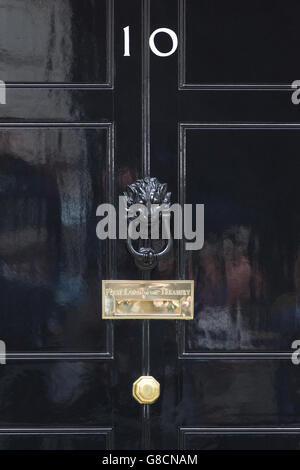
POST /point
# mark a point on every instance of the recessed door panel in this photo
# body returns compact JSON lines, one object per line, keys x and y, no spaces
{"x":57,"y":42}
{"x":52,"y":179}
{"x":239,"y":42}
{"x":247,"y":272}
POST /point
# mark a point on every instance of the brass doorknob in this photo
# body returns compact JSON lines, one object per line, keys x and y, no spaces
{"x":146,"y":389}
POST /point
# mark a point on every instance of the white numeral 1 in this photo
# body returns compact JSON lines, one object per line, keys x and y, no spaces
{"x":126,"y":41}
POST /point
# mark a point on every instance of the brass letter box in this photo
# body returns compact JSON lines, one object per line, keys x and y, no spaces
{"x":172,"y":300}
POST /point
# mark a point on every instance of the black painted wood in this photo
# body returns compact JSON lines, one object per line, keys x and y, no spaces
{"x":216,"y":122}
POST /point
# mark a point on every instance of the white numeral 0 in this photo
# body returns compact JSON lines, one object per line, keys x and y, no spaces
{"x":152,"y":45}
{"x":172,"y":35}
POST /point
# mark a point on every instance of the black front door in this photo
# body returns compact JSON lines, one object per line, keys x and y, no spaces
{"x":89,"y":109}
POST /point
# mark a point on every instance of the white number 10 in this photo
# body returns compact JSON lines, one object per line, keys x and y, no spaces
{"x":152,"y":45}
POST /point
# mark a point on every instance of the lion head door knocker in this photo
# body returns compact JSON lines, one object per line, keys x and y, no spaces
{"x":148,"y":203}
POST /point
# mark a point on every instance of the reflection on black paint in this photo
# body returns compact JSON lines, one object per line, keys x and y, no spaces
{"x":247,"y":274}
{"x":56,"y":41}
{"x":48,"y":246}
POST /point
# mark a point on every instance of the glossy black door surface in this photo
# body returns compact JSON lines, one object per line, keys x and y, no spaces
{"x":216,"y":122}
